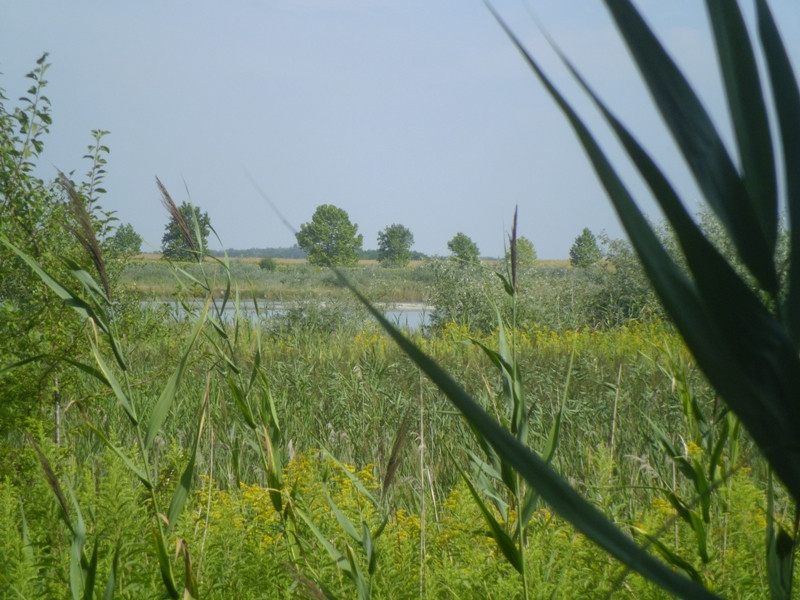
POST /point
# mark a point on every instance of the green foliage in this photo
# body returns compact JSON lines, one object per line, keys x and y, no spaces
{"x":394,"y":246}
{"x":267,"y":263}
{"x":584,"y":251}
{"x":526,"y":253}
{"x":464,"y":250}
{"x":125,"y":240}
{"x":61,"y":226}
{"x":330,"y":239}
{"x":186,"y":234}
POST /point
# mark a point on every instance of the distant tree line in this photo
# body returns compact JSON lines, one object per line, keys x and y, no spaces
{"x":331,"y":239}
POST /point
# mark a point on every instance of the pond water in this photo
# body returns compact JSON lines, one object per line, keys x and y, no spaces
{"x":406,"y":315}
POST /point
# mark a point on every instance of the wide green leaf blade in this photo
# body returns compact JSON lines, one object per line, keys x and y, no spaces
{"x":748,"y":112}
{"x":501,"y":538}
{"x":181,"y":493}
{"x":700,"y":144}
{"x":141,"y":475}
{"x":786,"y":98}
{"x":164,"y":563}
{"x":84,"y":310}
{"x":733,"y":337}
{"x":111,"y":381}
{"x":167,"y":396}
{"x":553,"y":489}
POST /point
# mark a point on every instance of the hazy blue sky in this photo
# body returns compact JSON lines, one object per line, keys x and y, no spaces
{"x":417,"y":112}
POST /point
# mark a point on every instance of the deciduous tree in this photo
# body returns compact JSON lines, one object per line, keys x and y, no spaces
{"x":125,"y":240}
{"x":464,"y":249}
{"x":394,"y":246}
{"x":186,"y":233}
{"x":330,"y":239}
{"x":526,"y":253}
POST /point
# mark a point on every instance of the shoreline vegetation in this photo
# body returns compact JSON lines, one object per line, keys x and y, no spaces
{"x":294,"y":279}
{"x":625,"y":428}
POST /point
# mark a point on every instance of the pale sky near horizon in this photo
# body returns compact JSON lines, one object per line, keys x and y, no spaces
{"x":417,"y":112}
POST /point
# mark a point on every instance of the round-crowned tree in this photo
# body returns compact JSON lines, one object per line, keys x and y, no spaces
{"x":330,"y":239}
{"x":125,"y":240}
{"x":464,"y":249}
{"x":394,"y":246}
{"x":526,"y":253}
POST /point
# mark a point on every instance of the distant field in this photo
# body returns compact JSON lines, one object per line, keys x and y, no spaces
{"x":150,"y":256}
{"x":292,"y":279}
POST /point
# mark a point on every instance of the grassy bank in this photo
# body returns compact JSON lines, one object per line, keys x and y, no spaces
{"x":290,"y":280}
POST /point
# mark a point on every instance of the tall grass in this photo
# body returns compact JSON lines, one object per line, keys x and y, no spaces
{"x":214,"y":457}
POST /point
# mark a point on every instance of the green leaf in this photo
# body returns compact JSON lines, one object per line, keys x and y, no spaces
{"x":184,"y":486}
{"x":702,"y":148}
{"x":786,"y":99}
{"x":344,"y":522}
{"x":742,"y":350}
{"x":109,"y":378}
{"x":142,"y":476}
{"x":84,"y":310}
{"x":780,"y":552}
{"x":674,"y":559}
{"x":91,"y":575}
{"x":164,"y":563}
{"x":553,"y":489}
{"x":748,"y":112}
{"x":111,"y":582}
{"x":555,"y":431}
{"x":167,"y":396}
{"x":78,"y":575}
{"x":337,"y":557}
{"x":501,"y":538}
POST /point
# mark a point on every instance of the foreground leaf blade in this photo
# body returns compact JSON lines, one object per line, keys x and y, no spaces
{"x":164,"y":403}
{"x":699,"y":142}
{"x":553,"y":489}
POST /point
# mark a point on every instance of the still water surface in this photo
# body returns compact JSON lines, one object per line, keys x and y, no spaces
{"x":407,"y":315}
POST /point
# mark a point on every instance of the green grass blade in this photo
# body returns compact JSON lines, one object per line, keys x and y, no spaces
{"x":124,"y":457}
{"x":740,"y":347}
{"x":551,"y":445}
{"x":553,"y":489}
{"x":167,"y":396}
{"x":700,"y":144}
{"x":673,"y":559}
{"x":357,"y":483}
{"x":77,"y":573}
{"x":743,"y":92}
{"x":344,"y":522}
{"x":111,"y":582}
{"x":780,"y":552}
{"x":184,"y":486}
{"x":337,"y":557}
{"x":111,"y":381}
{"x":786,"y":98}
{"x":87,"y":280}
{"x":164,"y":563}
{"x":501,"y":538}
{"x":91,"y":575}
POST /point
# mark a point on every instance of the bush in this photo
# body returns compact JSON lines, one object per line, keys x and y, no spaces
{"x":268,"y":263}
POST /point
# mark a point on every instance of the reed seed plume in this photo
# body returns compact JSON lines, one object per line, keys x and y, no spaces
{"x":84,"y":232}
{"x":513,"y":250}
{"x":173,"y":211}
